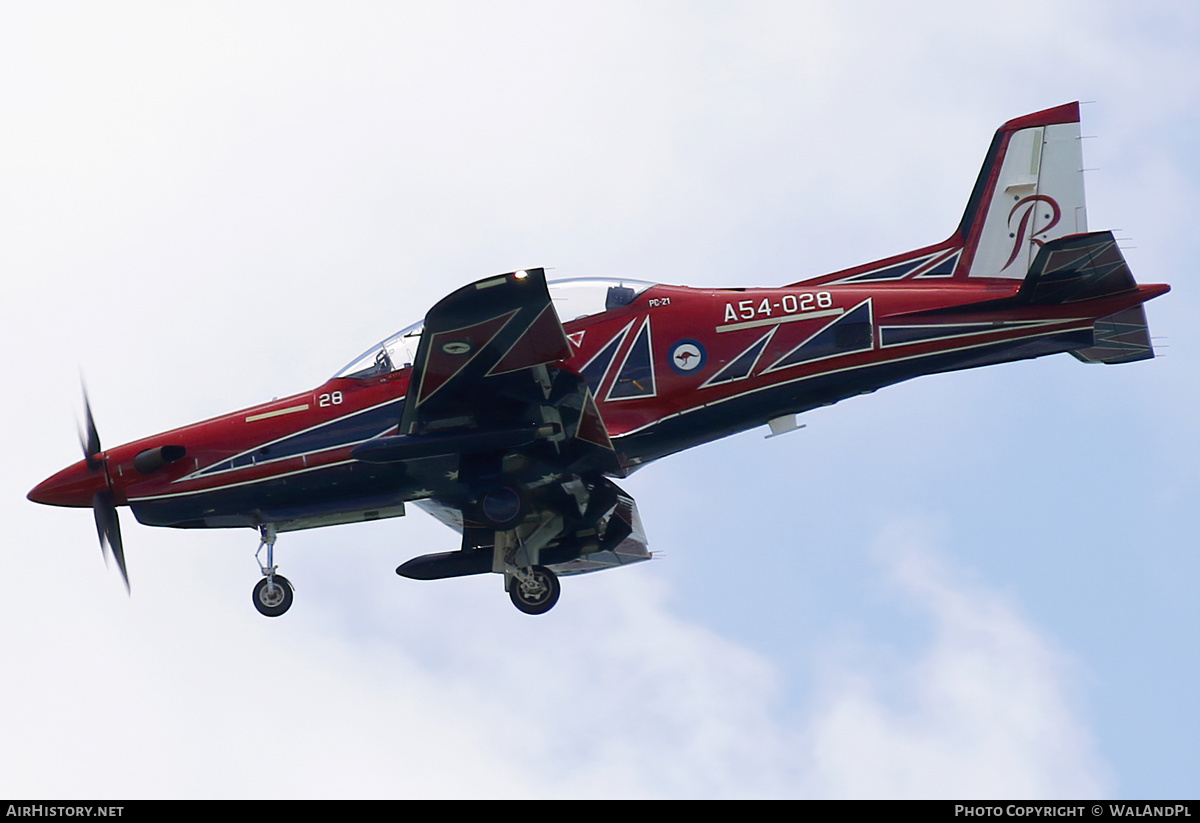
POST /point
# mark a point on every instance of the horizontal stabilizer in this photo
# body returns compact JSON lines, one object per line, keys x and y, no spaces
{"x":1123,"y":337}
{"x":1079,"y":267}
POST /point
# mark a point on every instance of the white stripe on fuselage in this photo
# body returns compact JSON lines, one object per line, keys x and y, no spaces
{"x":772,"y":321}
{"x":198,"y":492}
{"x":277,"y":413}
{"x":889,"y":360}
{"x":206,"y":471}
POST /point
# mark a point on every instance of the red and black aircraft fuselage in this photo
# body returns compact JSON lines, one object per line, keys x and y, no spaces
{"x":510,"y":409}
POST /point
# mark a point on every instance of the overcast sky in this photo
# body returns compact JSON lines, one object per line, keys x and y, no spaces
{"x":975,"y":584}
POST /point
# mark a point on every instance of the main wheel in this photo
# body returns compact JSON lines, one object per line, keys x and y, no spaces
{"x":273,"y":597}
{"x":538,"y":597}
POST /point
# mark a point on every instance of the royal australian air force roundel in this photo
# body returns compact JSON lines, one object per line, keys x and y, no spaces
{"x":456,"y":347}
{"x":687,"y":356}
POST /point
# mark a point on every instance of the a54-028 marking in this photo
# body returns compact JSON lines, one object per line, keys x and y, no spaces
{"x":749,"y":314}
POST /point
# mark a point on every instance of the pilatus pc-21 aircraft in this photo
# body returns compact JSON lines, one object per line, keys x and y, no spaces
{"x":510,"y":410}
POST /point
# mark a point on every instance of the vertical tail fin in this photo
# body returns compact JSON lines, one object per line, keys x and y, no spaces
{"x":1029,"y":191}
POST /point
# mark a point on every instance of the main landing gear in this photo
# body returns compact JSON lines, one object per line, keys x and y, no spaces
{"x":272,"y":594}
{"x":533,"y":588}
{"x":534,"y":591}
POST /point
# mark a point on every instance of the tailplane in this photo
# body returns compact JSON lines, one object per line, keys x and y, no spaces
{"x":1080,"y":267}
{"x":1123,"y":337}
{"x":1090,"y":267}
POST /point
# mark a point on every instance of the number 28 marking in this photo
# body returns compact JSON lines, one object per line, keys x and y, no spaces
{"x":329,"y":399}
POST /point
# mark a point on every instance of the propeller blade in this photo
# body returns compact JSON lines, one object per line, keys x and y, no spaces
{"x":104,"y":507}
{"x":90,"y":441}
{"x":108,"y":528}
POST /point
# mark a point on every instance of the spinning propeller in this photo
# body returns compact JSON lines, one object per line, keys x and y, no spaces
{"x":104,"y":508}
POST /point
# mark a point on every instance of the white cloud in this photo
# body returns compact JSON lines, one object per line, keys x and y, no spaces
{"x":451,"y":693}
{"x":988,"y":709}
{"x":179,"y":692}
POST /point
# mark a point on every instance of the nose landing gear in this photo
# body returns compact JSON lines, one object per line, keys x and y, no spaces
{"x":273,"y":594}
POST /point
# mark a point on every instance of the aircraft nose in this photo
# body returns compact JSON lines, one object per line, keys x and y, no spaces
{"x":73,"y":486}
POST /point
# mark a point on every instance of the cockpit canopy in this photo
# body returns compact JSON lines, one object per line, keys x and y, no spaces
{"x":573,"y":299}
{"x":396,"y":352}
{"x":585,"y":296}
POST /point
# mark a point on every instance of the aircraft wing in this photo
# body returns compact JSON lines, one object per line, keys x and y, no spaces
{"x":619,"y":548}
{"x":479,"y":344}
{"x":487,"y":380}
{"x":518,"y":432}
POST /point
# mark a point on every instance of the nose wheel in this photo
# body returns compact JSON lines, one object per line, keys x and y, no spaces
{"x":273,"y":594}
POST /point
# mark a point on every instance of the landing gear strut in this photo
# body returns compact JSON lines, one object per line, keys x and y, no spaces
{"x":273,"y":594}
{"x":533,"y":588}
